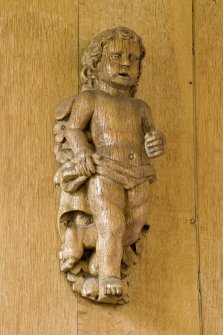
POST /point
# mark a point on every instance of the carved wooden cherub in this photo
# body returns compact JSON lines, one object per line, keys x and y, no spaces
{"x":105,"y":139}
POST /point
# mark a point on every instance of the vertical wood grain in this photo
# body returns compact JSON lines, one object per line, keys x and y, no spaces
{"x":209,"y":121}
{"x":163,"y":287}
{"x":38,"y":66}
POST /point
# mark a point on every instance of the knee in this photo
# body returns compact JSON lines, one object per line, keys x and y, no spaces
{"x":110,"y":232}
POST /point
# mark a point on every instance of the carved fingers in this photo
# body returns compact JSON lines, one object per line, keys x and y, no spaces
{"x":154,"y":144}
{"x":90,"y":165}
{"x":69,"y":174}
{"x":86,"y":166}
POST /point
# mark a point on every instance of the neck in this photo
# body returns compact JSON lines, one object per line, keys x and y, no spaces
{"x":113,"y":90}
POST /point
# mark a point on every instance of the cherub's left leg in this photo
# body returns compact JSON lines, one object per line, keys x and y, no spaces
{"x":137,"y":210}
{"x":107,"y":201}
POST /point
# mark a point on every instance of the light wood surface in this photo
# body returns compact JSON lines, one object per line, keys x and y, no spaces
{"x":209,"y":122}
{"x":39,"y":55}
{"x":38,"y":48}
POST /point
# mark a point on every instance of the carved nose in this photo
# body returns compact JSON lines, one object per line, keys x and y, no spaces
{"x":125,"y":62}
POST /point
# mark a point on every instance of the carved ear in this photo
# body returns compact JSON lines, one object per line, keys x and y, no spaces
{"x":64,"y":109}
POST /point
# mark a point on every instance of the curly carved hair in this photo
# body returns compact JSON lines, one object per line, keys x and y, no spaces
{"x":93,"y":54}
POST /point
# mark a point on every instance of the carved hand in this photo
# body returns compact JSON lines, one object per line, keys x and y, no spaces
{"x":85,"y":166}
{"x":154,"y":144}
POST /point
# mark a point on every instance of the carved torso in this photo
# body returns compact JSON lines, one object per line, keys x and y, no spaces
{"x":110,"y":138}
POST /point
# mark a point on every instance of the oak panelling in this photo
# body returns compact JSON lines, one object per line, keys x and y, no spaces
{"x":209,"y":121}
{"x":38,"y":66}
{"x":163,"y":286}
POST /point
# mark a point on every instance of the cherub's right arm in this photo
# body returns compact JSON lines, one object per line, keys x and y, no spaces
{"x":81,"y":114}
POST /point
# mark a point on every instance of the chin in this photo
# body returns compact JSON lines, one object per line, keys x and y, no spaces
{"x":122,"y":84}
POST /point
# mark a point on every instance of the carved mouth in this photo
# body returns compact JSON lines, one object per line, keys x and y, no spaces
{"x":123,"y":74}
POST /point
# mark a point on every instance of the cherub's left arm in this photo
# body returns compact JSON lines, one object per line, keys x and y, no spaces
{"x":154,"y":139}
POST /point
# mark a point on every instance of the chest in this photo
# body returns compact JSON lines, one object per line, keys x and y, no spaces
{"x":117,"y":114}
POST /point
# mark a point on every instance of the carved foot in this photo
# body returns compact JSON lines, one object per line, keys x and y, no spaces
{"x":67,"y":264}
{"x":90,"y":289}
{"x":111,"y":292}
{"x":112,"y":286}
{"x":68,"y":257}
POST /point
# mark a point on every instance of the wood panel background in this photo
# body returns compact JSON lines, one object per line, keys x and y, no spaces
{"x":176,"y":289}
{"x":209,"y":132}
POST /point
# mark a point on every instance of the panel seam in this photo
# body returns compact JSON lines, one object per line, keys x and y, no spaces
{"x":196,"y":189}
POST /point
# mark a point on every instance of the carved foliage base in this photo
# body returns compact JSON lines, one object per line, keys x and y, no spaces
{"x":82,"y":274}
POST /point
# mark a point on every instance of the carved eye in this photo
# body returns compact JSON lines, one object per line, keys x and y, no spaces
{"x":115,"y":57}
{"x":133,"y":58}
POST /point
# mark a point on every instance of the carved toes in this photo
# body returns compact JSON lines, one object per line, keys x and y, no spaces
{"x":90,"y":289}
{"x":67,"y":264}
{"x":113,"y":286}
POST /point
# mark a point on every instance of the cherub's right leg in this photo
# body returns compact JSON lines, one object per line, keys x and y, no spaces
{"x":107,"y":201}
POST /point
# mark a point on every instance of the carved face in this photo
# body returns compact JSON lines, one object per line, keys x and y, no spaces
{"x":119,"y":65}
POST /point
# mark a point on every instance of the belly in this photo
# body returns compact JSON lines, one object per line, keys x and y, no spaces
{"x":129,"y":154}
{"x":117,"y":133}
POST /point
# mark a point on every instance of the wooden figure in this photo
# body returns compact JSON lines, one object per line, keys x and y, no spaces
{"x":105,"y":139}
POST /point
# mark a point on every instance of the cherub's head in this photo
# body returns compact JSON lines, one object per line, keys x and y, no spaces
{"x":114,"y":57}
